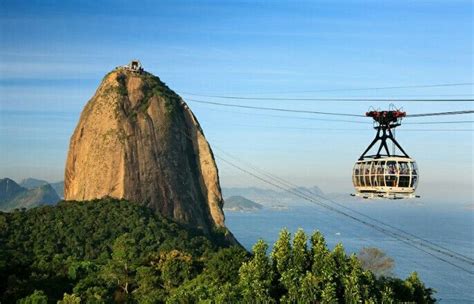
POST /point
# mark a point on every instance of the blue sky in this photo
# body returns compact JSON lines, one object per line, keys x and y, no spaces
{"x":54,"y":54}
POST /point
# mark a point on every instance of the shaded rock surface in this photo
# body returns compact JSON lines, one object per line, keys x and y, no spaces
{"x":138,"y":140}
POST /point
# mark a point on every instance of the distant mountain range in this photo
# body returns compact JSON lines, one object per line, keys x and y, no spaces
{"x":29,"y":193}
{"x":240,"y":203}
{"x":32,"y":192}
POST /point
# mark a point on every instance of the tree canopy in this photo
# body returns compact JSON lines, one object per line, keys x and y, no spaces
{"x":115,"y":251}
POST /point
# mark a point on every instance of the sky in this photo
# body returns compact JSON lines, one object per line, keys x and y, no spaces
{"x":53,"y":55}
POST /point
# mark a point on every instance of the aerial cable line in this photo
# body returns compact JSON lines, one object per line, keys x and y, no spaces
{"x":334,"y":99}
{"x":273,"y":109}
{"x":342,"y":129}
{"x":431,"y":245}
{"x":380,"y":229}
{"x":319,"y":112}
{"x":292,"y":117}
{"x":441,"y":113}
{"x":439,"y":122}
{"x":340,"y":120}
{"x":362,"y":89}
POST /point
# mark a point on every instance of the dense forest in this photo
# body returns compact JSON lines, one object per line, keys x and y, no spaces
{"x":110,"y":250}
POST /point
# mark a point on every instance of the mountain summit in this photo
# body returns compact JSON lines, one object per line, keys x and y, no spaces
{"x":138,"y":140}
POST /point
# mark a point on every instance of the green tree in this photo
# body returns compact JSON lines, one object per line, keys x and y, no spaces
{"x":255,"y":276}
{"x":323,"y":266}
{"x":175,"y":267}
{"x":387,"y":295}
{"x":309,"y":288}
{"x":292,"y":279}
{"x":148,"y":288}
{"x":281,"y":253}
{"x":319,"y":252}
{"x":328,"y":295}
{"x":340,"y":268}
{"x":37,"y":297}
{"x":352,"y":281}
{"x":224,"y":266}
{"x":299,"y":257}
{"x":70,"y":299}
{"x":419,"y":293}
{"x":120,"y":270}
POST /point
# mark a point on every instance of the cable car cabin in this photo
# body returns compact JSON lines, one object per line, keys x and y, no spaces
{"x":387,"y":177}
{"x":385,"y":174}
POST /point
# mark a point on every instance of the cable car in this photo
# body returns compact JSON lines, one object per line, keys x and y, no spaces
{"x":385,"y":174}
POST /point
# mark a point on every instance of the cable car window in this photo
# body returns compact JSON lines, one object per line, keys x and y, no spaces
{"x":404,"y":174}
{"x":380,"y":166}
{"x":373,"y":170}
{"x":404,"y":169}
{"x":355,"y":175}
{"x":391,"y":168}
{"x":367,"y":174}
{"x":379,"y":177}
{"x":361,"y":175}
{"x":414,"y":181}
{"x":391,"y":178}
{"x":357,"y":169}
{"x":415,"y":169}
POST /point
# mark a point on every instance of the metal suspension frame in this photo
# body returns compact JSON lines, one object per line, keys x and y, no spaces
{"x":385,"y":121}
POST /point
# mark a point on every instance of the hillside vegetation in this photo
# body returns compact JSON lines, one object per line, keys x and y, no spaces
{"x":115,"y":251}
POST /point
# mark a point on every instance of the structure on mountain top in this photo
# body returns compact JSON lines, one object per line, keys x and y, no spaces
{"x":134,"y":66}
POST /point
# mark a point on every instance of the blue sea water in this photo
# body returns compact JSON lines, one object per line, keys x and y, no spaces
{"x":449,"y":226}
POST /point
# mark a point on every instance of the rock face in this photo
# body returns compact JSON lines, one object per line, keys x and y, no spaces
{"x":138,"y":140}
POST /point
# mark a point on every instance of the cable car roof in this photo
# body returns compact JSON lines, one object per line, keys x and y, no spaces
{"x":387,"y":158}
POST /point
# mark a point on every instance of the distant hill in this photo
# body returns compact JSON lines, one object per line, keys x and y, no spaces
{"x":269,"y":197}
{"x":9,"y":189}
{"x":240,"y":203}
{"x":31,"y":183}
{"x":59,"y":188}
{"x":14,"y":196}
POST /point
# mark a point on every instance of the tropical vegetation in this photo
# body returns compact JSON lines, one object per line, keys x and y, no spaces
{"x":108,"y":250}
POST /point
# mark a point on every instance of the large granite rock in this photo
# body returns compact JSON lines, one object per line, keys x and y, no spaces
{"x":137,"y":139}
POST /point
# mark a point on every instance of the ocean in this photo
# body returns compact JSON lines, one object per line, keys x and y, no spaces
{"x":451,"y":226}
